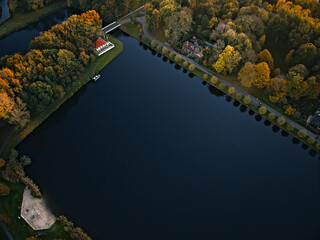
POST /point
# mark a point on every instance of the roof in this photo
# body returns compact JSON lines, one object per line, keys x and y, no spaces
{"x":99,"y":42}
{"x":191,"y":47}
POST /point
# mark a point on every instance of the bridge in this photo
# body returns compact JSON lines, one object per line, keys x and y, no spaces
{"x":119,"y":22}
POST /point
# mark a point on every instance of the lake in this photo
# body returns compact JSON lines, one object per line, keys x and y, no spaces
{"x":151,"y":152}
{"x":5,"y":12}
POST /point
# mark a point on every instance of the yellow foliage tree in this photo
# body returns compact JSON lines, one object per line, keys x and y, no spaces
{"x":255,"y":75}
{"x":228,"y":60}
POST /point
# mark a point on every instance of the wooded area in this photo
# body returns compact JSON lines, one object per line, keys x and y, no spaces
{"x":233,"y":35}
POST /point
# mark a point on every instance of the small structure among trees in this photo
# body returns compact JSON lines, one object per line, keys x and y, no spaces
{"x":102,"y":46}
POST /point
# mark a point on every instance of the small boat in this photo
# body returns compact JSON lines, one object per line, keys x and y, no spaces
{"x":96,"y":77}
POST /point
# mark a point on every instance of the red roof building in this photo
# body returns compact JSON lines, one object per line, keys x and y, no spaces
{"x":99,"y":42}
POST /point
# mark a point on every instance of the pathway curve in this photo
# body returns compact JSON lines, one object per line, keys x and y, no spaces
{"x":254,"y":100}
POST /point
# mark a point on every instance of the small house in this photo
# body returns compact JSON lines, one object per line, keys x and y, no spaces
{"x":102,"y":46}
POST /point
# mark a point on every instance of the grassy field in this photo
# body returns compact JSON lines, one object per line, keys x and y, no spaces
{"x":132,"y":29}
{"x":19,"y":20}
{"x":91,"y":70}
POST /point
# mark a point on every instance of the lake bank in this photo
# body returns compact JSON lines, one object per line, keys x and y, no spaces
{"x":166,"y":145}
{"x":19,"y":20}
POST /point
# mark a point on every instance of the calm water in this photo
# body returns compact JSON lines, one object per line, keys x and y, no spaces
{"x":19,"y":41}
{"x":148,"y":152}
{"x":5,"y":12}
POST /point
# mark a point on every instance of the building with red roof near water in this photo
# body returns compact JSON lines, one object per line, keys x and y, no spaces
{"x":102,"y":46}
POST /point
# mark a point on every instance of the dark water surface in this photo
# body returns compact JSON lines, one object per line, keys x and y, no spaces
{"x":5,"y":12}
{"x":19,"y":41}
{"x":148,"y":152}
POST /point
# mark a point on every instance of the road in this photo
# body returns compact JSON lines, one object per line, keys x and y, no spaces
{"x":254,"y":100}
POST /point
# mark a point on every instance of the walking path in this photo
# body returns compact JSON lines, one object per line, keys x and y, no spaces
{"x":254,"y":100}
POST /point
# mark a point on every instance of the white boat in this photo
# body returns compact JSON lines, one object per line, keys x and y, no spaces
{"x":96,"y":77}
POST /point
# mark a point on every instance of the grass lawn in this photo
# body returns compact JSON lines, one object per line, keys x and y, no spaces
{"x":90,"y":71}
{"x":20,"y":20}
{"x":132,"y":29}
{"x":19,"y":229}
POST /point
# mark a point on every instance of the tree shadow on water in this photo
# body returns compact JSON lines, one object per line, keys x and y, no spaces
{"x":171,"y":62}
{"x":267,"y":123}
{"x":177,"y":66}
{"x":191,"y":75}
{"x":275,"y":129}
{"x":215,"y":91}
{"x":204,"y":83}
{"x":185,"y":70}
{"x":243,"y":108}
{"x":251,"y":112}
{"x":228,"y":99}
{"x":159,"y":55}
{"x":164,"y":59}
{"x":258,"y":118}
{"x":236,"y":103}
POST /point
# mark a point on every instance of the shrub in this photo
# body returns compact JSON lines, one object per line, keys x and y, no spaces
{"x":159,"y":48}
{"x":302,"y":133}
{"x":290,"y":127}
{"x":318,"y":145}
{"x":214,"y":79}
{"x":281,"y":121}
{"x":185,"y":64}
{"x":231,"y":90}
{"x":239,"y":96}
{"x":311,"y":140}
{"x":262,"y":110}
{"x":153,"y":44}
{"x":247,"y":100}
{"x":222,"y":86}
{"x":165,"y":50}
{"x":271,"y":116}
{"x":4,"y":190}
{"x":192,"y":68}
{"x":145,"y":39}
{"x":2,"y":162}
{"x":14,"y":170}
{"x":177,"y":58}
{"x":35,"y":191}
{"x":205,"y":76}
{"x":171,"y":55}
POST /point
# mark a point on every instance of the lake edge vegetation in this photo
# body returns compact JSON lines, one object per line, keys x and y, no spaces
{"x":134,"y":29}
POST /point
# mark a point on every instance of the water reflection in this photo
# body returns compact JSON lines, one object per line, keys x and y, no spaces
{"x":215,"y":91}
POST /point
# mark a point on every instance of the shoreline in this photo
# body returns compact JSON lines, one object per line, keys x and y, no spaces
{"x":18,"y":20}
{"x":252,"y":106}
{"x":90,"y":71}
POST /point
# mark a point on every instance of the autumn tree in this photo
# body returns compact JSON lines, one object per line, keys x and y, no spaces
{"x":255,"y":75}
{"x":228,"y":60}
{"x":265,"y":56}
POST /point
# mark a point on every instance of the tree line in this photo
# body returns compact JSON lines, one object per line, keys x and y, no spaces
{"x":30,"y":83}
{"x":238,"y":31}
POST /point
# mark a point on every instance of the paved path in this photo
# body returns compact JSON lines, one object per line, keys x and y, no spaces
{"x":119,"y":22}
{"x":254,"y":100}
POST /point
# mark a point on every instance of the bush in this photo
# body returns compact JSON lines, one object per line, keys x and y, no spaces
{"x":177,"y":58}
{"x":205,"y":76}
{"x":222,"y":86}
{"x":153,"y":44}
{"x":159,"y":48}
{"x":262,"y":110}
{"x":2,"y":162}
{"x":231,"y":90}
{"x":35,"y":191}
{"x":290,"y":127}
{"x":14,"y":170}
{"x":271,"y":116}
{"x":247,"y":100}
{"x":281,"y":121}
{"x":192,"y":68}
{"x":318,"y":145}
{"x":214,"y":79}
{"x":302,"y":133}
{"x":185,"y":64}
{"x":4,"y":190}
{"x":145,"y":39}
{"x":311,"y":140}
{"x":239,"y":96}
{"x":171,"y":55}
{"x":165,"y":50}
